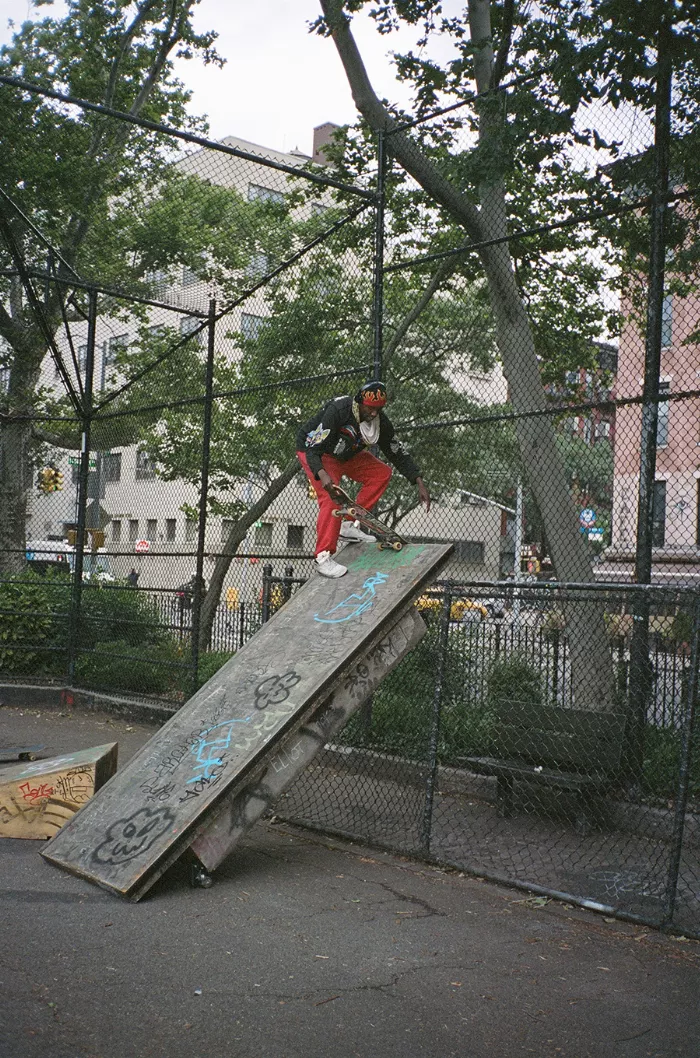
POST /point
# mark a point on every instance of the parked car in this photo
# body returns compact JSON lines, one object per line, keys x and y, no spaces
{"x":59,"y":555}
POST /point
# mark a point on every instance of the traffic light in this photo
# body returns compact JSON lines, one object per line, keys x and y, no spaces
{"x":44,"y":480}
{"x":49,"y":479}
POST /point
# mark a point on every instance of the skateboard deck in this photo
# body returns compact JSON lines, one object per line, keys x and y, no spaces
{"x":13,"y":753}
{"x":386,"y":537}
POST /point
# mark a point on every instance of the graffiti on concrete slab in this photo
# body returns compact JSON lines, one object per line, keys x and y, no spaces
{"x":128,"y":838}
{"x":275,"y":689}
{"x":356,"y":604}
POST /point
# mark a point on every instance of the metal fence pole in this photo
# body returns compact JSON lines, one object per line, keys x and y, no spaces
{"x":204,"y":490}
{"x":83,"y":471}
{"x":378,"y":302}
{"x":266,"y":591}
{"x":684,"y":769}
{"x":443,"y":635}
{"x":640,"y":665}
{"x":287,"y":583}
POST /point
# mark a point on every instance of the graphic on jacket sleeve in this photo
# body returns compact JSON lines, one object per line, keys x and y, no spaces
{"x":317,"y":436}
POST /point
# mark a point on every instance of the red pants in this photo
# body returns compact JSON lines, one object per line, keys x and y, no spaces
{"x":363,"y":467}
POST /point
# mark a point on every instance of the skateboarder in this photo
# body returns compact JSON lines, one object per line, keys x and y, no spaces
{"x":335,"y":442}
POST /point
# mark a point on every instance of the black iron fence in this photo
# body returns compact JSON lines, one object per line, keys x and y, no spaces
{"x":477,"y":753}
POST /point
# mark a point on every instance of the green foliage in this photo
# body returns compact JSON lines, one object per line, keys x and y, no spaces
{"x":124,"y":666}
{"x":402,"y":713}
{"x":514,"y":679}
{"x":662,"y":749}
{"x":34,"y":624}
{"x":115,"y":612}
{"x":35,"y":613}
{"x":210,"y":663}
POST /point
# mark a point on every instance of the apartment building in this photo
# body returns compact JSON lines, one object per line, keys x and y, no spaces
{"x":676,"y":502}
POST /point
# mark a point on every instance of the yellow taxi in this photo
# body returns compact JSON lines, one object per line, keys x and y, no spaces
{"x":460,"y":609}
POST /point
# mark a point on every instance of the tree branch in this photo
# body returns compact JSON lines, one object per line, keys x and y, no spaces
{"x":379,"y":118}
{"x":233,"y":542}
{"x":499,"y":65}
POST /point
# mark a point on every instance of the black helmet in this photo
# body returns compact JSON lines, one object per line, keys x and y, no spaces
{"x":373,"y":394}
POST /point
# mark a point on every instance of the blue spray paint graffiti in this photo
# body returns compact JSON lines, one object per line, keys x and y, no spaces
{"x":354,"y":604}
{"x":207,"y":752}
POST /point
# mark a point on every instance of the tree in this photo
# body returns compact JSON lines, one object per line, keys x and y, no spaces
{"x":477,"y":198}
{"x":77,"y":175}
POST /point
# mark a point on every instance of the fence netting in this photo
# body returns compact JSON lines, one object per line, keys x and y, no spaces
{"x":151,"y":388}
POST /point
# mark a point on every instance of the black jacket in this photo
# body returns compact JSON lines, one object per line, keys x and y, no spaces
{"x":336,"y":430}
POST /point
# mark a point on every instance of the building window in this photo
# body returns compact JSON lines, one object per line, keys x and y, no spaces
{"x":663,"y":415}
{"x":133,"y":530}
{"x":145,"y":467}
{"x":190,"y":530}
{"x":116,"y":532}
{"x":295,"y":536}
{"x":82,"y":358}
{"x":667,"y":321}
{"x":170,"y":529}
{"x":471,"y":551}
{"x":159,"y":279}
{"x":114,"y":346}
{"x":188,"y":324}
{"x":111,"y":466}
{"x":251,"y":325}
{"x":151,"y":528}
{"x":258,"y":193}
{"x":602,"y":430}
{"x":226,"y":527}
{"x":658,"y":515}
{"x":259,"y":265}
{"x":263,"y":534}
{"x":5,"y":379}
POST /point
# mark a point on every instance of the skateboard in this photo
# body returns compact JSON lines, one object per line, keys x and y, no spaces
{"x":386,"y":537}
{"x":11,"y":753}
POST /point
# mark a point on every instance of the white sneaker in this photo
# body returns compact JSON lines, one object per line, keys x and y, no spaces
{"x":328,"y":567}
{"x":350,"y":531}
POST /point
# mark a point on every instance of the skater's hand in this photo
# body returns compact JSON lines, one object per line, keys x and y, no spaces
{"x":423,"y":493}
{"x":329,"y":485}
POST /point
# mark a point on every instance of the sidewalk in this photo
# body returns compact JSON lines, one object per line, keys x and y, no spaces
{"x":307,"y":947}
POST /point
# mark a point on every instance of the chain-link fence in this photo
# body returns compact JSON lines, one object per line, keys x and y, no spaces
{"x":168,"y":330}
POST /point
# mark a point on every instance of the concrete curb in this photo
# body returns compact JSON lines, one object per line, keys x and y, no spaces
{"x":65,"y":697}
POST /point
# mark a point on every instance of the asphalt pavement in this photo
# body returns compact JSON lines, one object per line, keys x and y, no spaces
{"x":307,"y":947}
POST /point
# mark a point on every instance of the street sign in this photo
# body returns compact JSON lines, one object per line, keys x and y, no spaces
{"x":587,"y":516}
{"x":141,"y":546}
{"x":74,"y":461}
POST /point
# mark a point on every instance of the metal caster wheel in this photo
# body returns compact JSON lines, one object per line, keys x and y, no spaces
{"x":200,"y":877}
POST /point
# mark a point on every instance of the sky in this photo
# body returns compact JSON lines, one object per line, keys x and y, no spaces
{"x":280,"y":81}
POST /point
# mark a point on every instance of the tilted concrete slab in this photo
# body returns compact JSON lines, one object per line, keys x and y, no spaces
{"x":213,"y":747}
{"x":38,"y":798}
{"x":240,"y":811}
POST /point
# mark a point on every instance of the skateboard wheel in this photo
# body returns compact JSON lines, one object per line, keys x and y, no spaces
{"x":397,"y":545}
{"x":26,"y":756}
{"x":337,"y":513}
{"x":351,"y":512}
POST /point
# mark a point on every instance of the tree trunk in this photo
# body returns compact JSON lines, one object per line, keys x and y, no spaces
{"x":15,"y":483}
{"x":592,"y":672}
{"x":235,"y":538}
